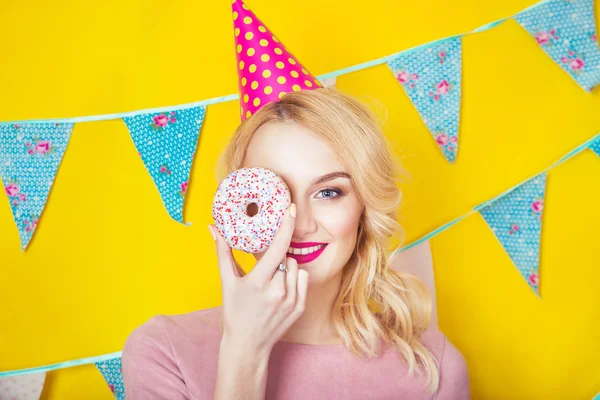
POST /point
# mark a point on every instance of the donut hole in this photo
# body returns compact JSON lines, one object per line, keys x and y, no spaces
{"x":252,"y":209}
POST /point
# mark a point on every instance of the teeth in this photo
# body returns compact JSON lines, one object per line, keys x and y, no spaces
{"x":306,"y":250}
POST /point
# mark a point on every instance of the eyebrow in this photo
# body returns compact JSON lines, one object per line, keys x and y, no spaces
{"x":330,"y":177}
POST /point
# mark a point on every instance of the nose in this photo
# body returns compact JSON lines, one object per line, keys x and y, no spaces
{"x":305,"y":222}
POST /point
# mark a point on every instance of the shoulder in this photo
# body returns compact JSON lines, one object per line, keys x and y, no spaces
{"x":454,"y":374}
{"x":435,"y":341}
{"x":444,"y":350}
{"x":167,"y":351}
{"x":161,"y":330}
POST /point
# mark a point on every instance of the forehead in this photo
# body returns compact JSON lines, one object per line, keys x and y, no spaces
{"x":292,"y":151}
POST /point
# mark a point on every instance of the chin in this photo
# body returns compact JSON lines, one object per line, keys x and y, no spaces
{"x":323,"y":271}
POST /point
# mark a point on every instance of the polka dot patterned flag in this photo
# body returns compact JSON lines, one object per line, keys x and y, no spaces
{"x":166,"y":142}
{"x":431,"y":77}
{"x":595,"y":146}
{"x":266,"y":68}
{"x":30,"y":155}
{"x":112,"y":372}
{"x":22,"y":387}
{"x":516,"y":220}
{"x":566,"y":30}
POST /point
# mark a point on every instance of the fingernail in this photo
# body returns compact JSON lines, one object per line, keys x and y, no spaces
{"x":293,"y":210}
{"x":212,"y":233}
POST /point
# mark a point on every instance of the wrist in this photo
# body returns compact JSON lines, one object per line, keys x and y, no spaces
{"x":244,"y":350}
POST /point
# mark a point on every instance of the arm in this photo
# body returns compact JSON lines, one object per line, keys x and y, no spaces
{"x":241,"y":374}
{"x":258,"y":309}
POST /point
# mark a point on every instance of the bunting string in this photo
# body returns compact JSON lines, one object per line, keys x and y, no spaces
{"x":589,"y":144}
{"x":235,"y":96}
{"x":166,"y":139}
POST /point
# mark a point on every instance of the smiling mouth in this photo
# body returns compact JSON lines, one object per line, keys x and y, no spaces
{"x":306,"y":250}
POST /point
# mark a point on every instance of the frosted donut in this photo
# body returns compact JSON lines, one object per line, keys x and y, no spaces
{"x":241,"y":189}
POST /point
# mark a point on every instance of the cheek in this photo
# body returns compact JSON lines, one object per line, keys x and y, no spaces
{"x":341,"y":222}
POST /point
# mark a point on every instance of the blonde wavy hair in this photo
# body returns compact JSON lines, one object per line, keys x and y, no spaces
{"x":375,"y":302}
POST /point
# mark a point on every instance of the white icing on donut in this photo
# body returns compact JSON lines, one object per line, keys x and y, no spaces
{"x":241,"y":188}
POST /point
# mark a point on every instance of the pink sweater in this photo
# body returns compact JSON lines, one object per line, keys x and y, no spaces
{"x":175,"y":358}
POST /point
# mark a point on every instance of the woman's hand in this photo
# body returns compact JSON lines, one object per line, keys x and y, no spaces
{"x":259,"y":307}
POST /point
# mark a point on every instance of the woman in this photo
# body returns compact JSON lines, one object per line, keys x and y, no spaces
{"x":341,"y":326}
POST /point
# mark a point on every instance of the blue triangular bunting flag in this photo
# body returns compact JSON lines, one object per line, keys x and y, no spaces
{"x":516,"y":220}
{"x":431,"y":77}
{"x":30,"y":154}
{"x":112,"y":372}
{"x":595,"y":146}
{"x":566,"y":30}
{"x":166,"y":142}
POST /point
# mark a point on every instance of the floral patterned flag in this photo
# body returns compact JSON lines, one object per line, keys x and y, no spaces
{"x":112,"y":372}
{"x":566,"y":30}
{"x":22,"y":387}
{"x":595,"y":146}
{"x":516,"y":220}
{"x":30,"y":155}
{"x":166,"y":142}
{"x":431,"y":77}
{"x":329,"y":83}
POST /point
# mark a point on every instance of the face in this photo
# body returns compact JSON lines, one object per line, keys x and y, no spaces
{"x":328,"y":208}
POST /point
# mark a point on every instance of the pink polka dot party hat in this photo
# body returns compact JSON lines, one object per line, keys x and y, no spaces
{"x":266,"y":69}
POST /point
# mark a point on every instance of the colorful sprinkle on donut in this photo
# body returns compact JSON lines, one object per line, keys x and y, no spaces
{"x":241,"y":188}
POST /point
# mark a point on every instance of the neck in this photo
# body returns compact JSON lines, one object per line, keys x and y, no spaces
{"x":315,"y":325}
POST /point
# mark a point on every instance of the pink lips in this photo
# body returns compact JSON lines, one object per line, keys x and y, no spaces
{"x":306,"y":258}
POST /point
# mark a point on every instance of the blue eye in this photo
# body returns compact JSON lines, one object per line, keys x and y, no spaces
{"x":330,"y":193}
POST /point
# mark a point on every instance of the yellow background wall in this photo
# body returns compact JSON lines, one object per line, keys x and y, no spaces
{"x":106,"y":256}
